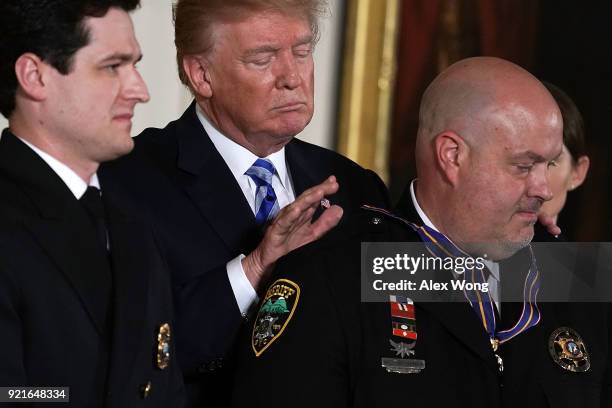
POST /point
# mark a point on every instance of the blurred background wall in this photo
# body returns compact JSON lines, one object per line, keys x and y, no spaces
{"x":562,"y":41}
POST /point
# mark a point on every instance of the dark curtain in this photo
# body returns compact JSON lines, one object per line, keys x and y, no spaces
{"x":564,"y":42}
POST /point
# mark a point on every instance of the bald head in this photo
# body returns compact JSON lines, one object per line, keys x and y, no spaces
{"x":487,"y":132}
{"x":475,"y":96}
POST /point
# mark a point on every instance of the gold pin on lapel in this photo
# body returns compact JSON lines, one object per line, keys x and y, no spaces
{"x":145,"y":390}
{"x":163,"y":346}
{"x":568,"y":350}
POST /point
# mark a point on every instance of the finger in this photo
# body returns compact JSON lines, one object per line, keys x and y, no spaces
{"x":315,"y":194}
{"x":328,"y":220}
{"x":304,"y":219}
{"x":554,"y":230}
{"x":286,"y":218}
{"x":550,"y":224}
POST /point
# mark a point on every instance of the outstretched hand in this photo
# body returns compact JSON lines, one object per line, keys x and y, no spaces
{"x":292,"y":228}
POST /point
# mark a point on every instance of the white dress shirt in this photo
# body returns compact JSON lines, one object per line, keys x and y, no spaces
{"x":72,"y":180}
{"x":239,"y":160}
{"x":493,"y":279}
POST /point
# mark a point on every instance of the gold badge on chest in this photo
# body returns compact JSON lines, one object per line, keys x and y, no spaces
{"x":568,"y":350}
{"x":163,"y":346}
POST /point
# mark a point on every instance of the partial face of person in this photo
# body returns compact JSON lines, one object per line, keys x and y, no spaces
{"x":91,"y":108}
{"x":564,"y":176}
{"x":505,"y":181}
{"x":261,"y":78}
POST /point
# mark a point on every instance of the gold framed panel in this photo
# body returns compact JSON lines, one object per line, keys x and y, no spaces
{"x":368,"y":75}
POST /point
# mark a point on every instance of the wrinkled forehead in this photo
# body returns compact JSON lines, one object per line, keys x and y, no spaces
{"x":241,"y":14}
{"x":264,"y":31}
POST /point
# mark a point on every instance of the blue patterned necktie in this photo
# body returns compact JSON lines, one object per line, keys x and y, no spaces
{"x":266,"y":204}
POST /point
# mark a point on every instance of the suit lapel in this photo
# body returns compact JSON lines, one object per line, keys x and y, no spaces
{"x":71,"y":244}
{"x":209,"y":183}
{"x":303,"y":174}
{"x":60,"y":225}
{"x":130,"y":256}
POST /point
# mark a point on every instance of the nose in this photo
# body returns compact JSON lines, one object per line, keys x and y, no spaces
{"x":288,"y":74}
{"x":134,"y":87}
{"x":538,"y":183}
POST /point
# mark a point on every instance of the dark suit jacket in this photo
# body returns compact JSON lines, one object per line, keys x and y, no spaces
{"x":67,"y":317}
{"x":329,"y":354}
{"x":205,"y":221}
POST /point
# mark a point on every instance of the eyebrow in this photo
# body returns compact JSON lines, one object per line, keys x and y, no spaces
{"x":529,"y":155}
{"x":122,"y":57}
{"x":534,"y":156}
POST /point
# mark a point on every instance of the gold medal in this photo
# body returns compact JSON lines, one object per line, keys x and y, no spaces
{"x":568,"y":350}
{"x":163,"y":346}
{"x":500,"y":361}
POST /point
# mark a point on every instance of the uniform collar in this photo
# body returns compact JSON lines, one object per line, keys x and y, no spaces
{"x":74,"y":183}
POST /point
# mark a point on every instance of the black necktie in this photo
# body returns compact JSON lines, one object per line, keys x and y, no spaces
{"x":92,"y":201}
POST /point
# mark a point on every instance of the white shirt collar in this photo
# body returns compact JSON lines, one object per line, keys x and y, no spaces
{"x":420,"y":211}
{"x":72,"y":180}
{"x":238,"y":158}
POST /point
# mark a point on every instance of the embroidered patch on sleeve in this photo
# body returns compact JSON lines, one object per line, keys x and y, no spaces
{"x":274,"y":314}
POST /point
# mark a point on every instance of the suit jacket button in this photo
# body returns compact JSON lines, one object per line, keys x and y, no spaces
{"x":212,"y":366}
{"x":145,"y":389}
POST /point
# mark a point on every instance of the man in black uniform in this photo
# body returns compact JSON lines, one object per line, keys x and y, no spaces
{"x":229,"y":186}
{"x":85,"y":298}
{"x":488,"y":131}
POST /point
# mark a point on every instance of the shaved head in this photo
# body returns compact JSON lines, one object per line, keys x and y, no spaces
{"x":475,"y":95}
{"x":487,"y":130}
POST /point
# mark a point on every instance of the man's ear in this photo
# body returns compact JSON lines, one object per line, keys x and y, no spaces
{"x":579,"y":172}
{"x":197,"y":70}
{"x":450,"y":153}
{"x":31,"y":76}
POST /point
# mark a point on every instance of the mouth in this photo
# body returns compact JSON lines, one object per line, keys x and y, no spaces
{"x":529,"y":216}
{"x":290,"y":107}
{"x":124,"y":118}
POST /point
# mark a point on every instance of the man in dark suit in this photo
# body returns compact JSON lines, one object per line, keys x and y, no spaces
{"x":249,"y":66}
{"x":85,"y":299}
{"x":323,"y":337}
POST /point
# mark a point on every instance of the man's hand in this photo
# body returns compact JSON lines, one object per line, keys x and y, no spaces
{"x":550,"y":224}
{"x":291,"y":229}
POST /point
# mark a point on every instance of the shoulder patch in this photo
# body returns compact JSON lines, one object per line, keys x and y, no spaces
{"x":274,"y":314}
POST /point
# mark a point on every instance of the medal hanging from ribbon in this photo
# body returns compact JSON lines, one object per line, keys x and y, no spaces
{"x":440,"y":246}
{"x":484,"y":309}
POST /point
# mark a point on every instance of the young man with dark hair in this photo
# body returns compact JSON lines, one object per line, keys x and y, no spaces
{"x":85,"y":298}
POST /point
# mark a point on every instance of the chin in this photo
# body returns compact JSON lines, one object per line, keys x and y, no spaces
{"x":291,"y":126}
{"x":120,"y":149}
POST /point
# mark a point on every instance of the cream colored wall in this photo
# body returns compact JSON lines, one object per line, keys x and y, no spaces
{"x":154,"y":30}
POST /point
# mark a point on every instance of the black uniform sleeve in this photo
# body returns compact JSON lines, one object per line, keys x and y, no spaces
{"x":208,"y":316}
{"x":12,"y":369}
{"x":307,"y":363}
